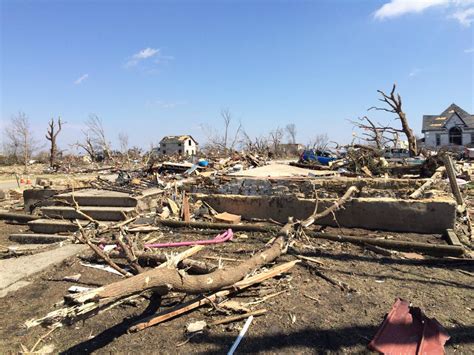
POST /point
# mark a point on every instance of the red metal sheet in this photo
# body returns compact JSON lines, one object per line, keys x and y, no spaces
{"x":406,"y":330}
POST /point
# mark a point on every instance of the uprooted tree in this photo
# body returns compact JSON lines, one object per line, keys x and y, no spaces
{"x":54,"y":127}
{"x":394,"y":102}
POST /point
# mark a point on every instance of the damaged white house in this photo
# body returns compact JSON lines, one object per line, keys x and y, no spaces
{"x":182,"y":145}
{"x":453,"y":127}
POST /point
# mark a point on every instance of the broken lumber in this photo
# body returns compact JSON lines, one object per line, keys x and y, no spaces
{"x":448,"y":163}
{"x":434,"y":178}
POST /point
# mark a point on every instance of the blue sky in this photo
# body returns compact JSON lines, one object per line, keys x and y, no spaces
{"x":154,"y":68}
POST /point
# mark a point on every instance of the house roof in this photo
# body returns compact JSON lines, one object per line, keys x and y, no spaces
{"x":177,"y":139}
{"x":437,"y":122}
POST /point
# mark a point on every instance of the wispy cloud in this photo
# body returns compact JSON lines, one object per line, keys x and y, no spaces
{"x":463,"y":11}
{"x":414,"y":72}
{"x":464,"y":16}
{"x":396,"y":8}
{"x":166,"y":104}
{"x":142,"y":55}
{"x":81,"y":79}
{"x":469,"y":50}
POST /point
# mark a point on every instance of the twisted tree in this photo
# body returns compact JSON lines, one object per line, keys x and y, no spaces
{"x":394,"y":102}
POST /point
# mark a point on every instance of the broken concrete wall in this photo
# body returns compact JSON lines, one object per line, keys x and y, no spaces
{"x":416,"y":216}
{"x":302,"y":187}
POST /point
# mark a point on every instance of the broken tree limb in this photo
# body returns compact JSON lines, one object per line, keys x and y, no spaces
{"x":173,"y":279}
{"x":433,"y":179}
{"x":85,"y":239}
{"x":448,"y":163}
{"x":431,"y":249}
{"x":144,"y":258}
{"x":334,"y":207}
{"x":127,"y":250}
{"x":203,"y":300}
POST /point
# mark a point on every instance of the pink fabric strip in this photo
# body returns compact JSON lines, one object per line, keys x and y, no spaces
{"x":221,"y":238}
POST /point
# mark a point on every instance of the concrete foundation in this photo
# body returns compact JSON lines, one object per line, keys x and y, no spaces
{"x":389,"y":214}
{"x":98,"y":213}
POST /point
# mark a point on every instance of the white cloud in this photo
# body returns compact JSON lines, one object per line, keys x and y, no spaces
{"x":396,"y":8}
{"x":463,"y":11}
{"x":81,"y":79}
{"x":464,"y":16}
{"x":414,"y":72}
{"x":469,"y":50}
{"x":142,"y":55}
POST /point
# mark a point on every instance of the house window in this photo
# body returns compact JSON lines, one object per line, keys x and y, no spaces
{"x":179,"y":151}
{"x":164,"y":151}
{"x":472,"y":138}
{"x":163,"y":145}
{"x":189,"y":142}
{"x":455,"y":136}
{"x":438,"y":139}
{"x":179,"y":144}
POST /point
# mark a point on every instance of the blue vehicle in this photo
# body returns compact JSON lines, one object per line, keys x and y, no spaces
{"x":313,"y":156}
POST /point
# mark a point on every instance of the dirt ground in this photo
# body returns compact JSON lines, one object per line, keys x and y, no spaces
{"x":310,"y":316}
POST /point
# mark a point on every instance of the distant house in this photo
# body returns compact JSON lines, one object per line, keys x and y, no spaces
{"x":453,"y":127}
{"x":182,"y":145}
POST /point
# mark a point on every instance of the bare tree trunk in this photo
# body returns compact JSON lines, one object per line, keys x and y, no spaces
{"x":394,"y":101}
{"x":51,"y":135}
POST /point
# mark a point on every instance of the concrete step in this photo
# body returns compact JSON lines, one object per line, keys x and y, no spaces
{"x":52,"y":226}
{"x":94,"y":197}
{"x":33,"y":238}
{"x":96,"y":212}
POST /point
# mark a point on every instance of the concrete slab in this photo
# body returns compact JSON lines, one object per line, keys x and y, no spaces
{"x":13,"y":271}
{"x":96,"y":212}
{"x":34,"y":238}
{"x":417,"y":216}
{"x":95,"y":197}
{"x":52,"y":226}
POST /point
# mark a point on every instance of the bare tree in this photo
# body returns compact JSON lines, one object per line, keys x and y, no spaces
{"x":52,"y":134}
{"x":19,"y":137}
{"x":319,"y":142}
{"x":123,"y":141}
{"x":275,"y":137}
{"x":394,"y":102}
{"x":258,"y":145}
{"x":291,"y":132}
{"x":376,"y":134}
{"x":227,"y":140}
{"x":95,"y":140}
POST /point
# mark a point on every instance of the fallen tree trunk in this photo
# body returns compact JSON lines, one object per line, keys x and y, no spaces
{"x":203,"y":300}
{"x":431,"y":249}
{"x":167,"y":280}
